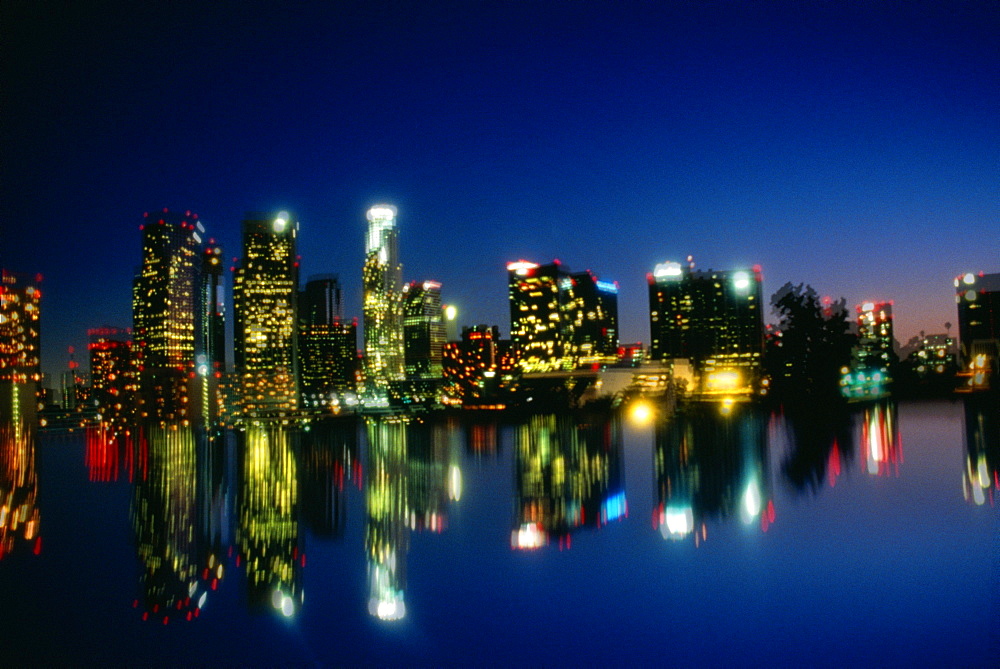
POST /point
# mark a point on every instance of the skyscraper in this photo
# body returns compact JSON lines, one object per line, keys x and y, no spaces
{"x":593,"y":313}
{"x":978,"y":298}
{"x":561,"y":320}
{"x":382,"y":281}
{"x":478,"y":368}
{"x":423,"y":330}
{"x":328,"y":346}
{"x":265,"y":296}
{"x":112,"y":375}
{"x":713,"y":319}
{"x":538,"y":299}
{"x":20,"y":345}
{"x":164,"y":309}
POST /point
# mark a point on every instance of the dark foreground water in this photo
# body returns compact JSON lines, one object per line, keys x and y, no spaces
{"x":709,"y":538}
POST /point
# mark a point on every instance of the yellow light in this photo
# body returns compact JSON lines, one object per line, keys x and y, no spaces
{"x":640,"y":413}
{"x":723,"y":380}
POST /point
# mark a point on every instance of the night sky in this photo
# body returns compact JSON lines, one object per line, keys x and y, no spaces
{"x":852,"y":146}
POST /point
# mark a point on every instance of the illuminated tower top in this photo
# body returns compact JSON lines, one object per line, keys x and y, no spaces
{"x":383,"y":242}
{"x":382,"y":283}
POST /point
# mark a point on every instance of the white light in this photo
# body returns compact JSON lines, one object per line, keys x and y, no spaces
{"x":970,"y":295}
{"x":450,"y":312}
{"x":751,"y":502}
{"x":969,"y":279}
{"x":667,"y":269}
{"x":868,"y":306}
{"x":279,"y":224}
{"x":382,"y":212}
{"x":196,"y":236}
{"x":520,"y":267}
{"x":741,"y":280}
{"x":428,"y":285}
{"x":679,"y":522}
{"x":456,"y":483}
{"x":287,"y":606}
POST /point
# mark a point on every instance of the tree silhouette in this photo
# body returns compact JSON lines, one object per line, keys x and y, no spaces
{"x":812,"y":345}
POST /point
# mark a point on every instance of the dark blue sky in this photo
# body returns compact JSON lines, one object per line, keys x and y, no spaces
{"x":850,"y":146}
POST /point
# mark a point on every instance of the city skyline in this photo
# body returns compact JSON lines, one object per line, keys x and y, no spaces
{"x":850,"y":148}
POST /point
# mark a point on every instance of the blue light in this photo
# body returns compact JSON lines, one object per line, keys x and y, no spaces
{"x":607,"y":287}
{"x":613,"y":507}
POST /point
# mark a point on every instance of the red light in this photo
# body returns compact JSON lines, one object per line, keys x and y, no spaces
{"x":145,"y":615}
{"x":165,"y":210}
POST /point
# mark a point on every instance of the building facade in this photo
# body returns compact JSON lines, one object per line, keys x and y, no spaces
{"x":164,"y":311}
{"x":478,"y":369}
{"x":383,"y":327}
{"x":112,"y":375}
{"x":265,"y":297}
{"x":560,"y":320}
{"x":712,"y":319}
{"x":978,"y":300}
{"x":423,"y":330}
{"x":20,"y":346}
{"x":328,"y":346}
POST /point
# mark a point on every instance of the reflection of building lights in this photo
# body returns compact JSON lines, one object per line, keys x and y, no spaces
{"x":529,"y":535}
{"x":455,"y":483}
{"x":751,"y":502}
{"x":723,"y":380}
{"x":641,"y":413}
{"x":678,"y":522}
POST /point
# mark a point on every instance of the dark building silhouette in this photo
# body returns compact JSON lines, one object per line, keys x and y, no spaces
{"x":328,"y":346}
{"x":978,"y":297}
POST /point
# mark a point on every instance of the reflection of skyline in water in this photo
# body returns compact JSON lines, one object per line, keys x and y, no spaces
{"x":413,"y":475}
{"x":268,"y":506}
{"x":568,"y":475}
{"x":981,"y":474}
{"x":329,"y":462}
{"x":20,"y":516}
{"x":713,"y":465}
{"x":821,"y":444}
{"x":163,"y":518}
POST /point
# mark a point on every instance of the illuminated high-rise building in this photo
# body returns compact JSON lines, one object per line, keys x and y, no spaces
{"x":875,"y":338}
{"x":593,"y":315}
{"x":423,"y":330}
{"x":328,"y":346}
{"x":164,"y":311}
{"x":978,"y":299}
{"x":20,"y":345}
{"x":561,"y":320}
{"x":538,"y":297}
{"x":383,"y":331}
{"x":265,"y":296}
{"x":478,"y":368}
{"x":713,"y":319}
{"x":112,"y":375}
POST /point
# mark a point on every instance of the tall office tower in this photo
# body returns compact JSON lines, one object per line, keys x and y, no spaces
{"x":210,"y":324}
{"x":112,"y":375}
{"x":423,"y":330}
{"x":479,"y":367}
{"x":711,"y":318}
{"x":164,"y":309}
{"x":265,"y":295}
{"x":593,"y":312}
{"x":328,"y":347}
{"x":382,"y":281}
{"x":978,"y":298}
{"x":20,"y":346}
{"x":875,"y":340}
{"x":539,"y":295}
